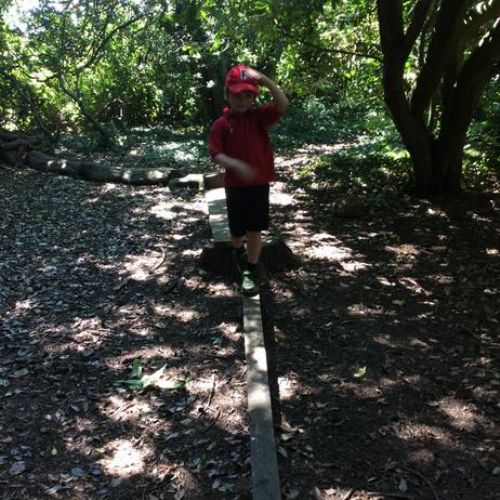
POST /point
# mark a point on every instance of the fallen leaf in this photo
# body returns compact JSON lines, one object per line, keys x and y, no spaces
{"x":403,"y":485}
{"x":20,"y":373}
{"x":17,"y":468}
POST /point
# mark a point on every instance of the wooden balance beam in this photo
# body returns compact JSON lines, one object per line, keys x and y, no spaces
{"x":263,"y":457}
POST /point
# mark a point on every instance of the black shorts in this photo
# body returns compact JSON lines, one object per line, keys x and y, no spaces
{"x":247,"y":209}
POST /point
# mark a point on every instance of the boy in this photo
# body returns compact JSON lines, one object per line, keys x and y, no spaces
{"x":239,"y":142}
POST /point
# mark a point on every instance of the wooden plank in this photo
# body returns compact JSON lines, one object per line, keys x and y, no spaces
{"x":194,"y":181}
{"x":265,"y":478}
{"x":216,"y":199}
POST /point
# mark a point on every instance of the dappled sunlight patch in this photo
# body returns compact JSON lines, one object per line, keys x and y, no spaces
{"x":22,"y":306}
{"x":405,"y":251}
{"x":109,"y":187}
{"x":354,"y":266}
{"x":436,"y":212}
{"x":131,"y":310}
{"x":279,"y":197}
{"x":460,"y":414}
{"x":194,"y":254}
{"x":181,"y":314}
{"x":413,"y":286}
{"x":186,"y":315}
{"x":124,"y":458}
{"x":120,"y":409}
{"x":385,"y":340}
{"x":140,"y":267}
{"x":163,"y":210}
{"x":414,"y":431}
{"x":327,"y":252}
{"x":364,"y":310}
{"x":290,"y":387}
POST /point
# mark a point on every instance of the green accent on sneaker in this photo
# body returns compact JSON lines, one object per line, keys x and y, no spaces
{"x":250,"y":283}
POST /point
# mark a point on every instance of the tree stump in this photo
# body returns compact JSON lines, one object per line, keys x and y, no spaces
{"x":213,"y":181}
{"x":275,"y":256}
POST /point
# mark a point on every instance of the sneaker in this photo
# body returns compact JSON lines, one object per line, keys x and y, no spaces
{"x":250,"y":283}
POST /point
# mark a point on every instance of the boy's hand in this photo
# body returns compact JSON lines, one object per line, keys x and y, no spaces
{"x":255,"y":75}
{"x":244,"y":170}
{"x":279,"y":98}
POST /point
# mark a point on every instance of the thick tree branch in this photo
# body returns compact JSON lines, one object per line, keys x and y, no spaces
{"x":287,"y":34}
{"x":475,"y":74}
{"x":412,"y":131}
{"x":419,"y":15}
{"x":441,"y":48}
{"x":390,"y":16}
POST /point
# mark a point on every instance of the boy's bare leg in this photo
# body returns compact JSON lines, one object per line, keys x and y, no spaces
{"x":254,"y":246}
{"x":236,"y":242}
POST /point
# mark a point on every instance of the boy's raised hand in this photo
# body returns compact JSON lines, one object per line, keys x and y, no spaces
{"x":279,"y":98}
{"x":255,"y":75}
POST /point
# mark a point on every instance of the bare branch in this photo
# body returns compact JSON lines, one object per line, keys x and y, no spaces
{"x":419,"y":15}
{"x":107,"y":38}
{"x":287,"y":34}
{"x":474,"y":76}
{"x":441,"y":48}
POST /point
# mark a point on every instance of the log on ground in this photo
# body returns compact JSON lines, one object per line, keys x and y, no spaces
{"x":99,"y":173}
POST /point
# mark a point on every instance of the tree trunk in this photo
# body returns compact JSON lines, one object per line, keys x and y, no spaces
{"x":437,"y":156}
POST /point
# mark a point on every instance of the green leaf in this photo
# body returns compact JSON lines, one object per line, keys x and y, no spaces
{"x":155,"y":379}
{"x":136,"y":368}
{"x":361,"y":372}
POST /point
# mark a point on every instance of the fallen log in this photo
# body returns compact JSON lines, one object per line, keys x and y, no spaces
{"x":15,"y":151}
{"x":9,"y":136}
{"x":14,"y":145}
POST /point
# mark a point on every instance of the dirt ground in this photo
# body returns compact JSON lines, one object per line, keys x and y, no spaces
{"x":387,"y":347}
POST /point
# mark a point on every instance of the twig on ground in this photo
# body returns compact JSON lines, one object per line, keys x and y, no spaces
{"x":212,"y":390}
{"x":421,"y":476}
{"x":388,"y":494}
{"x":160,"y":262}
{"x":349,"y":494}
{"x":212,"y":423}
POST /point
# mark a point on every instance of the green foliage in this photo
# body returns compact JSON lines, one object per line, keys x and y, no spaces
{"x":110,"y":68}
{"x":374,"y":166}
{"x":315,"y":120}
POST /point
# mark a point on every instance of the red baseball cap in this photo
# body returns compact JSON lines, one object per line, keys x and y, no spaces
{"x":237,"y":81}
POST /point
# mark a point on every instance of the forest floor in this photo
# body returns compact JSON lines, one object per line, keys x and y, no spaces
{"x":387,"y":346}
